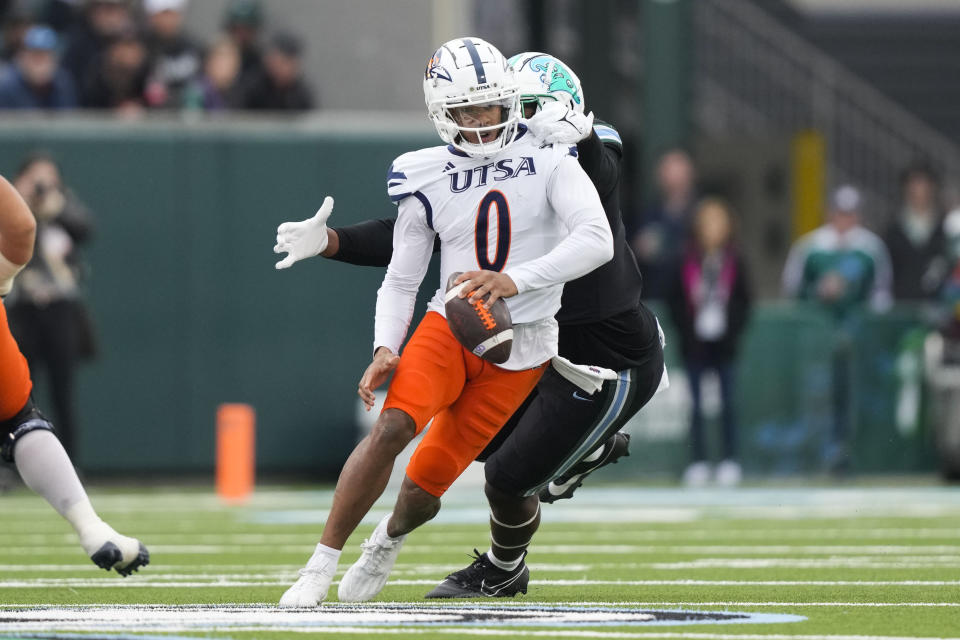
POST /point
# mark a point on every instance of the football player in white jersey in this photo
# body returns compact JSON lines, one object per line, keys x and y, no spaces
{"x":519,"y":218}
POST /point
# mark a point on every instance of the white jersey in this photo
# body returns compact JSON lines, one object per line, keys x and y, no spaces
{"x":529,"y":211}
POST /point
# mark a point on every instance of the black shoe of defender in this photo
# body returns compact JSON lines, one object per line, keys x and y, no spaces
{"x":483,"y":579}
{"x":561,"y":488}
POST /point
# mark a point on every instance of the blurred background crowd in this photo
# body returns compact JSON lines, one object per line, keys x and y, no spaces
{"x":790,"y":189}
{"x":128,"y":57}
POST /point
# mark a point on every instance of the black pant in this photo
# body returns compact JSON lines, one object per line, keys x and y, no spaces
{"x":695,"y":370}
{"x":47,"y":336}
{"x":559,"y":424}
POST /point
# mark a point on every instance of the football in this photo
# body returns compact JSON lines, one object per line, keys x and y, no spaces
{"x":487,"y":333}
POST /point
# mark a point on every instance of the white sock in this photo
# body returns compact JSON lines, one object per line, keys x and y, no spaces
{"x":326,"y":552}
{"x":382,"y":530}
{"x":504,"y":564}
{"x":45,"y":467}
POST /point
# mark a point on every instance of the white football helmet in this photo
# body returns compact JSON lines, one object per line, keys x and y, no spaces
{"x":543,"y":77}
{"x":471,"y":72}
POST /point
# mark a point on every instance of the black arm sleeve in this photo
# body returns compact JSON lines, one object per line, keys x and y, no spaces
{"x":600,"y":162}
{"x":368,"y":243}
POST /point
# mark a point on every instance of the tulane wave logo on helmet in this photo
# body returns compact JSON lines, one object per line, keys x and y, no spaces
{"x":559,"y":80}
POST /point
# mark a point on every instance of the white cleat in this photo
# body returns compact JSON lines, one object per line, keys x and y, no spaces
{"x":697,"y":475}
{"x":729,"y":473}
{"x":364,"y":580}
{"x":311,"y":587}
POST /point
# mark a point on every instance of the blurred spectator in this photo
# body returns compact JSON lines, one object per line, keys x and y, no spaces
{"x":664,"y":227}
{"x":219,"y":87}
{"x":118,"y":79}
{"x":13,"y":26}
{"x":280,"y":85}
{"x":102,"y":21}
{"x":841,"y":265}
{"x":915,"y":239}
{"x":175,"y":59}
{"x":60,"y":15}
{"x":949,"y":318}
{"x":35,"y":81}
{"x":46,"y":314}
{"x":243,"y":21}
{"x":709,"y":299}
{"x":950,"y":292}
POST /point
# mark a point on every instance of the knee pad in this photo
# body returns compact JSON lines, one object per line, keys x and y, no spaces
{"x":499,"y":478}
{"x":27,"y":419}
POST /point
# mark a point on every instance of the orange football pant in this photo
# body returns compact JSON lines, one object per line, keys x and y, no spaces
{"x":468,"y":398}
{"x":15,"y":383}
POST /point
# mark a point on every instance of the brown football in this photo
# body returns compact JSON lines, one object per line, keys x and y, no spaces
{"x":487,"y":333}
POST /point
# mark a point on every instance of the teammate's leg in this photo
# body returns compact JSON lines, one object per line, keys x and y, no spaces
{"x":29,"y":442}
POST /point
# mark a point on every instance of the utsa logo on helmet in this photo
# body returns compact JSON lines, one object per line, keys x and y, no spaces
{"x":436,"y":70}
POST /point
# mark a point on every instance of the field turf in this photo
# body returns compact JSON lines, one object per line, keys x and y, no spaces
{"x":844,"y":563}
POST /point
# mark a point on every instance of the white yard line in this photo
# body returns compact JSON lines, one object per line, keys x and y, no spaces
{"x":271,"y":580}
{"x":563,"y":549}
{"x":507,"y":604}
{"x":559,"y":633}
{"x":545,"y":536}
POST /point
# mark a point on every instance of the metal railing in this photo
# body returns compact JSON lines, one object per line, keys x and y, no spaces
{"x":755,"y":77}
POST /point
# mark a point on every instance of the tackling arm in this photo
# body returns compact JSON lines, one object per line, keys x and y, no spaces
{"x":368,"y":243}
{"x":589,"y":243}
{"x":601,"y":162}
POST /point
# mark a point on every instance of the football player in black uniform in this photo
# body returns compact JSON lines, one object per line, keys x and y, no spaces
{"x":562,"y":432}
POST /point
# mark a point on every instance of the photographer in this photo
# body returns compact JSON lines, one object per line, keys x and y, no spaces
{"x":46,"y":314}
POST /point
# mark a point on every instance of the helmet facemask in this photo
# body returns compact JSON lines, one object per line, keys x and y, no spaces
{"x":466,"y":123}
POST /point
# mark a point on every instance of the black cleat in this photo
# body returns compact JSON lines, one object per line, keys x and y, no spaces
{"x":483,"y":579}
{"x":561,"y":488}
{"x":109,"y":557}
{"x":142,"y":558}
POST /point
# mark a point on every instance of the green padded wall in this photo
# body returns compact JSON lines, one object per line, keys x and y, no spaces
{"x":191,"y":312}
{"x":189,"y":309}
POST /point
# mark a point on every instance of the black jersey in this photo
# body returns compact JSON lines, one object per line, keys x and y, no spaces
{"x":602,"y":321}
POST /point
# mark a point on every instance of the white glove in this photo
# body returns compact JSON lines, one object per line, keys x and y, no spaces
{"x":556,"y":123}
{"x":303,"y":239}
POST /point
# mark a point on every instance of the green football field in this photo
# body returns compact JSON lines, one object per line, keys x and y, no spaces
{"x":784,"y":563}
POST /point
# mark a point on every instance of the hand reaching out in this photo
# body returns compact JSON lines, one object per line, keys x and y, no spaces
{"x":303,"y":239}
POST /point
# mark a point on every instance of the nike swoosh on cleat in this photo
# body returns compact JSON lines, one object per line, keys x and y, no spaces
{"x":559,"y":489}
{"x":497,"y":588}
